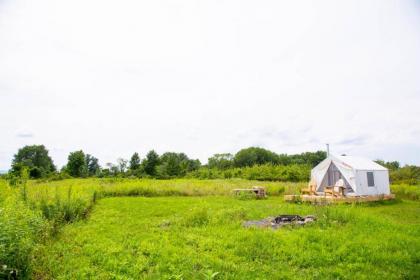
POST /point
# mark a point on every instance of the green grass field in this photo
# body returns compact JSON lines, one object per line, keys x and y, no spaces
{"x":192,"y":229}
{"x":195,"y":237}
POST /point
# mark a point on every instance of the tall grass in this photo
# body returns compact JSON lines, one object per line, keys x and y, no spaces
{"x":406,"y":191}
{"x":33,"y":211}
{"x":69,"y":200}
{"x":20,"y":229}
{"x":185,"y":237}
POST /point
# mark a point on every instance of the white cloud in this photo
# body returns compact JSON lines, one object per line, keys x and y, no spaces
{"x":210,"y":76}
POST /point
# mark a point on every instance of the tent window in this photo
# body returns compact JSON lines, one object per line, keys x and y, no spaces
{"x":370,"y":179}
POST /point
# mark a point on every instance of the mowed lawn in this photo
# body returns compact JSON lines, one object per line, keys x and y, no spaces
{"x":203,"y":237}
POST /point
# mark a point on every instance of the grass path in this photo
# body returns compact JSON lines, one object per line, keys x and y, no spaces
{"x":196,"y":237}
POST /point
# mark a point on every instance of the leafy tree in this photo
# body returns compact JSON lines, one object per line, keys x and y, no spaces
{"x":76,"y":164}
{"x":105,"y":172}
{"x":111,"y":170}
{"x":193,"y":164}
{"x":170,"y":165}
{"x":150,"y":163}
{"x":186,"y":164}
{"x":391,"y":165}
{"x":221,"y":161}
{"x":134,"y":162}
{"x":176,"y":165}
{"x":36,"y":159}
{"x":122,"y":164}
{"x":284,"y":159}
{"x":253,"y":156}
{"x":92,"y":165}
{"x":310,"y":158}
{"x":409,"y":174}
{"x":114,"y":170}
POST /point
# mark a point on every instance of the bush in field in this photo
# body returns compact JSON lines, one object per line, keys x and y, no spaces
{"x":406,"y":191}
{"x":266,"y":172}
{"x":21,"y":228}
{"x":259,"y":156}
{"x":409,"y":174}
{"x":208,"y":173}
{"x":292,"y":173}
{"x":196,"y":217}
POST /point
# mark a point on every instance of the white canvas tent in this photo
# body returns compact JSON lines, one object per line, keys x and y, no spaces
{"x":361,"y":176}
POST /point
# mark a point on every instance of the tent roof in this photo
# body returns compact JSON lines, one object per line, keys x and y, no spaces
{"x":360,"y":163}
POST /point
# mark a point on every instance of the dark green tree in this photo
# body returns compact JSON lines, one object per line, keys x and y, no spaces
{"x":221,"y":161}
{"x":309,"y":158}
{"x":112,"y":170}
{"x":92,"y":165}
{"x":150,"y":163}
{"x":391,"y":165}
{"x":254,"y":156}
{"x":169,"y":165}
{"x":193,"y":164}
{"x":409,"y":174}
{"x":134,"y":162}
{"x":176,"y":165}
{"x":36,"y":159}
{"x":284,"y":159}
{"x":122,"y":164}
{"x":76,"y":164}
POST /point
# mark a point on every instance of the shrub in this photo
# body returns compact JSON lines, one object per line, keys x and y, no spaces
{"x":266,"y":172}
{"x":197,"y":217}
{"x":408,"y":174}
{"x":406,"y":191}
{"x":21,"y":228}
{"x":334,"y":215}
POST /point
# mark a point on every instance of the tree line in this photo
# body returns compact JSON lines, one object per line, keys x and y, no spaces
{"x":37,"y":161}
{"x":250,"y":163}
{"x":79,"y":164}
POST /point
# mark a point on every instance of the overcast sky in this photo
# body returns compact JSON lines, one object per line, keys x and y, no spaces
{"x":204,"y":77}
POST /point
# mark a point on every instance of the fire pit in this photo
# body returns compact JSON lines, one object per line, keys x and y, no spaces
{"x":281,"y":220}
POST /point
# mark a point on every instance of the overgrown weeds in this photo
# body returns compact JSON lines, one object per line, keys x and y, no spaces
{"x":406,"y":191}
{"x":32,"y":211}
{"x":21,"y":228}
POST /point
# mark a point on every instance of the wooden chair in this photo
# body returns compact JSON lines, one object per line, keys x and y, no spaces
{"x":311,"y":189}
{"x":328,"y":190}
{"x":339,"y":188}
{"x":340,"y":191}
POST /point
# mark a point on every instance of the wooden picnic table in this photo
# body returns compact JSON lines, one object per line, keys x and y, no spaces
{"x":258,"y":191}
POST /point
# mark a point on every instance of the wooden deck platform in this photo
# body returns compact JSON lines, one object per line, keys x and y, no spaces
{"x":321,"y":199}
